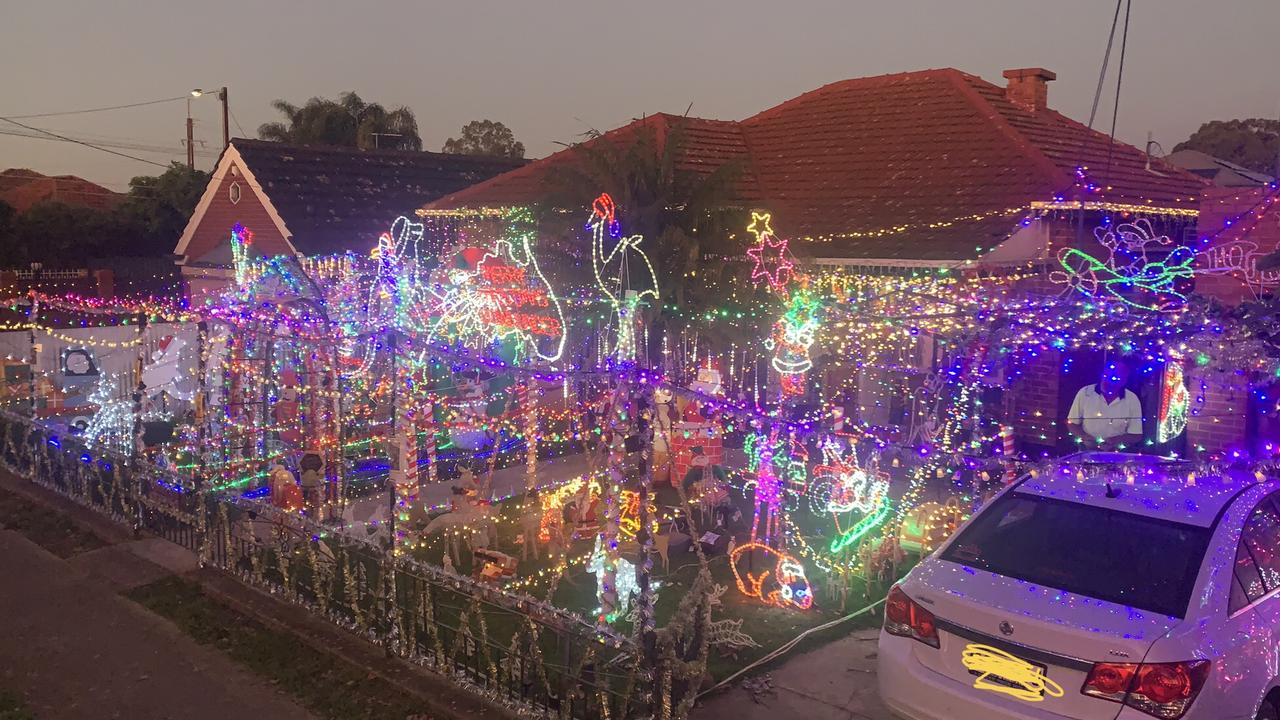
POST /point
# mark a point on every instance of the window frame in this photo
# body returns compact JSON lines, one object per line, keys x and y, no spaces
{"x":1273,"y":499}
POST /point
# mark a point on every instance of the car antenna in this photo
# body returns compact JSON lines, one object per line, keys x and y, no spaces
{"x":1112,"y":493}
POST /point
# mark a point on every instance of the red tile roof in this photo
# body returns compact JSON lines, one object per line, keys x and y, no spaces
{"x":22,"y":188}
{"x":846,"y":162}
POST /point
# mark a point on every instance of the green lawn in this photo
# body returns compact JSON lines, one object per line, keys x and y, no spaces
{"x":768,"y":626}
{"x":12,"y":707}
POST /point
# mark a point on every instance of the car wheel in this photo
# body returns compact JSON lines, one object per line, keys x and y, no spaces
{"x":1268,"y":711}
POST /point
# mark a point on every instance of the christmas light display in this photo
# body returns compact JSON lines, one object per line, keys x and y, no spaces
{"x":615,"y":583}
{"x":840,"y":486}
{"x":612,"y":258}
{"x":446,"y":347}
{"x":769,"y":253}
{"x":1175,"y":401}
{"x":241,"y":242}
{"x":1131,"y":273}
{"x":497,"y":294}
{"x":792,"y":337}
{"x":783,"y":584}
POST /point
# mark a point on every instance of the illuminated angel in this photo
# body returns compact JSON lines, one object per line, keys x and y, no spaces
{"x":623,"y":272}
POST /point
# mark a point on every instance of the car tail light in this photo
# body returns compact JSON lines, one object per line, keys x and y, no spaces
{"x":1109,"y":681}
{"x":906,"y":618}
{"x":1163,"y":690}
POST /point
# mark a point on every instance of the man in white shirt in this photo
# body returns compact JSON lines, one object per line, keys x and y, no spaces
{"x":1107,"y":416}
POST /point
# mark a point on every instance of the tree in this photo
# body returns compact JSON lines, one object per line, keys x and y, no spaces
{"x":1252,"y":143}
{"x":683,"y":216}
{"x":146,"y":223}
{"x":160,"y":205}
{"x":485,"y":137}
{"x":61,"y":235}
{"x":347,"y":122}
{"x":8,"y":243}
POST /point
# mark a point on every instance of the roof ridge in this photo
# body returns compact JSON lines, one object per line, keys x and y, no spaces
{"x":866,"y":80}
{"x":1030,"y":150}
{"x":1165,"y":165}
{"x":535,"y":165}
{"x":345,"y":150}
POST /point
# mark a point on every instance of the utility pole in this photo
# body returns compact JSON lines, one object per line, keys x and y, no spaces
{"x":226,"y":129}
{"x":191,"y":148}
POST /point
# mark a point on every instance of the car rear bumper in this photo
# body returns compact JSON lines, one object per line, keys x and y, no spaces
{"x":914,"y":692}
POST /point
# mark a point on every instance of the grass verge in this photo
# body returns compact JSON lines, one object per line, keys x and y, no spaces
{"x":49,"y":529}
{"x":12,"y":706}
{"x":323,"y":683}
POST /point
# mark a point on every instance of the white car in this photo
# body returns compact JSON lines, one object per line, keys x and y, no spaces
{"x":1132,"y":595}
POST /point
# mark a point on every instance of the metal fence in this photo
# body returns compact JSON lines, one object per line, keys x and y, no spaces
{"x":535,"y":658}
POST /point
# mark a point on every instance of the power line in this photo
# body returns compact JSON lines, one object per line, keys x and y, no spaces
{"x":237,"y":122}
{"x":118,"y":144}
{"x":81,"y":142}
{"x":94,"y":110}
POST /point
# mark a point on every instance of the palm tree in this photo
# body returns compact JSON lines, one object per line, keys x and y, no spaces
{"x":682,"y":215}
{"x":349,"y":122}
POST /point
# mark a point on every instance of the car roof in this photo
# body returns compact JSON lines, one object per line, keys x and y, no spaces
{"x":1142,"y":485}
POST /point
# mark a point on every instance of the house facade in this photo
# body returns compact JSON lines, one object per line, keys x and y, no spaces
{"x":930,"y":171}
{"x":313,"y":201}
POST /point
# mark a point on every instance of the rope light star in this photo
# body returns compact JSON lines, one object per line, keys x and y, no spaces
{"x":770,"y":253}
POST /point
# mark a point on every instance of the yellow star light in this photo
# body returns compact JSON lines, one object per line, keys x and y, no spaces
{"x":760,"y":224}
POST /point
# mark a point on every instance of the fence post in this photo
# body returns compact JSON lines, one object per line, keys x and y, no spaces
{"x":35,"y":354}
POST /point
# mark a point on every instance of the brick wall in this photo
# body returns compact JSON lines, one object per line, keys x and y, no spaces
{"x":1032,"y":403}
{"x":1239,"y":245}
{"x":1220,"y":422}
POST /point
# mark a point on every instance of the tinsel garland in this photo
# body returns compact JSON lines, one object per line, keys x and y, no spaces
{"x":349,"y":590}
{"x":282,"y":564}
{"x":429,"y":619}
{"x":484,"y":641}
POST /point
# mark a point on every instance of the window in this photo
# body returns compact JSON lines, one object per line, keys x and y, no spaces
{"x":1257,"y":567}
{"x":1120,"y":557}
{"x":234,"y":193}
{"x":1248,"y":583}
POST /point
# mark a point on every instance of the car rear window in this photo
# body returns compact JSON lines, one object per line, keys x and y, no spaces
{"x":1119,"y":557}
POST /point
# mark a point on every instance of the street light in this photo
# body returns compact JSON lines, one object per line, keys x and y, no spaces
{"x":222,"y":95}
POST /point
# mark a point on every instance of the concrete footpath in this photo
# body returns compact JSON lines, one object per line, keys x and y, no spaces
{"x":75,"y":649}
{"x":834,"y":682}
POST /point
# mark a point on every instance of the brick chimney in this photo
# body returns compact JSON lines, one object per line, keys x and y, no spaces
{"x":1028,"y":88}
